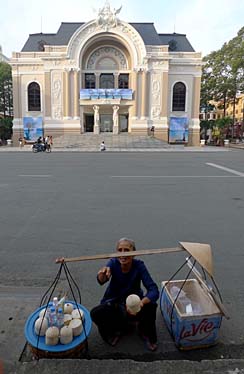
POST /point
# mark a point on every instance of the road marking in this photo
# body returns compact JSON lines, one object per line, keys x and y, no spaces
{"x":226,"y":169}
{"x":175,"y":176}
{"x":35,"y":175}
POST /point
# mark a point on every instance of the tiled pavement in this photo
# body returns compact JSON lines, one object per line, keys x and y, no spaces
{"x":123,"y":142}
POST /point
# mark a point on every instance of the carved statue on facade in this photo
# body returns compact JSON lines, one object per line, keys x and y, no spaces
{"x":57,"y":89}
{"x":115,"y":115}
{"x":107,"y":17}
{"x":96,"y":115}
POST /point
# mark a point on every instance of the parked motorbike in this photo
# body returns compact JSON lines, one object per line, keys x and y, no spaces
{"x":39,"y":147}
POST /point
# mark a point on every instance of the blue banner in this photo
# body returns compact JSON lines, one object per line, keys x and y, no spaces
{"x":33,"y":128}
{"x":109,"y":93}
{"x":178,"y":130}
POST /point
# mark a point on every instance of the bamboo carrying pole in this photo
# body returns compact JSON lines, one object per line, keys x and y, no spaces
{"x":141,"y":252}
{"x":185,"y":247}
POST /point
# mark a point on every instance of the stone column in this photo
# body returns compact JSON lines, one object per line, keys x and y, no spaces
{"x":116,"y":80}
{"x":66,"y":94}
{"x":115,"y":119}
{"x":165,"y":83}
{"x":133,"y":86}
{"x":147,"y":93}
{"x":194,"y":126}
{"x":47,"y":78}
{"x":196,"y":97}
{"x":97,"y":80}
{"x":76,"y":94}
{"x":17,"y":121}
{"x":143,"y":94}
{"x":96,"y":128}
{"x":16,"y":96}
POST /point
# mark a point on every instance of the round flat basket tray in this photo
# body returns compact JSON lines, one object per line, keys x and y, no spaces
{"x":41,"y":350}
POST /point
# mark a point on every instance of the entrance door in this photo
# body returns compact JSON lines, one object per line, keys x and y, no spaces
{"x":123,"y":122}
{"x":106,"y":123}
{"x":89,"y":122}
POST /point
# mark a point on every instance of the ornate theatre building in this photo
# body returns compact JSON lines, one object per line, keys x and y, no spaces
{"x":107,"y":75}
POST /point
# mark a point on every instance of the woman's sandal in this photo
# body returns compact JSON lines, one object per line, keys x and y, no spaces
{"x":148,"y":345}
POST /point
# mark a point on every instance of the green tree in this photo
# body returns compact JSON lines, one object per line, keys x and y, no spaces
{"x":208,"y":81}
{"x":6,"y":95}
{"x":223,"y":73}
{"x":6,"y":128}
{"x":216,"y":84}
{"x":234,"y":60}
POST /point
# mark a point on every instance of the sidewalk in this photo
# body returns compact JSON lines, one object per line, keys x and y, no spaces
{"x":170,"y":148}
{"x":123,"y":142}
{"x":237,"y":146}
{"x":128,"y":357}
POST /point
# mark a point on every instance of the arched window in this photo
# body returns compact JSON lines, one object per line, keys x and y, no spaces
{"x":34,"y":98}
{"x":90,"y":81}
{"x":124,"y":81}
{"x":179,"y":97}
{"x":106,"y":81}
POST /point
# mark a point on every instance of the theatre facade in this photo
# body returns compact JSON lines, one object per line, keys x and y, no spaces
{"x":110,"y":76}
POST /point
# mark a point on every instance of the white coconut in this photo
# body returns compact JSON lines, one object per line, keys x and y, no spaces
{"x":52,"y":336}
{"x":41,"y":326}
{"x":76,"y":326}
{"x":41,"y":314}
{"x":66,"y":335}
{"x":78,"y":313}
{"x":133,"y":304}
{"x":67,"y":319}
{"x":68,"y":308}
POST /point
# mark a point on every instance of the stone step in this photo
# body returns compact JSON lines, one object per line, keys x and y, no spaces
{"x":110,"y":140}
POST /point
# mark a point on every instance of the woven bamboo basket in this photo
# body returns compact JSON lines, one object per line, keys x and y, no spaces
{"x":70,"y":353}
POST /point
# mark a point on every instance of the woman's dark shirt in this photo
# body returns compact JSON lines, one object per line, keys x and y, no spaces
{"x":122,"y":284}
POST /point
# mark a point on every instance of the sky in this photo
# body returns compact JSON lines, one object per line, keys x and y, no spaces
{"x":208,"y":24}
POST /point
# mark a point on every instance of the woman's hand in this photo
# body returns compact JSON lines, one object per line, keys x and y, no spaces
{"x":144,"y":301}
{"x":104,"y":274}
{"x":59,"y":260}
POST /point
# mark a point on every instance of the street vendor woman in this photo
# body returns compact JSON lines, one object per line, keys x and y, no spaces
{"x":113,"y":315}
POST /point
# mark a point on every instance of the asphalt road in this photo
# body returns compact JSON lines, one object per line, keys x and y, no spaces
{"x":72,"y":204}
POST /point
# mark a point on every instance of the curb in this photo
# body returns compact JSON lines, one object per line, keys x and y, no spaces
{"x":85,"y":366}
{"x":95,"y":150}
{"x":236,"y":146}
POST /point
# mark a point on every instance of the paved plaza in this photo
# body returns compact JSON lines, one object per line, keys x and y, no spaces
{"x":117,"y":143}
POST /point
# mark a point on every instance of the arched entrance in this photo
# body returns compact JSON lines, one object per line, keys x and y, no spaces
{"x":107,"y":121}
